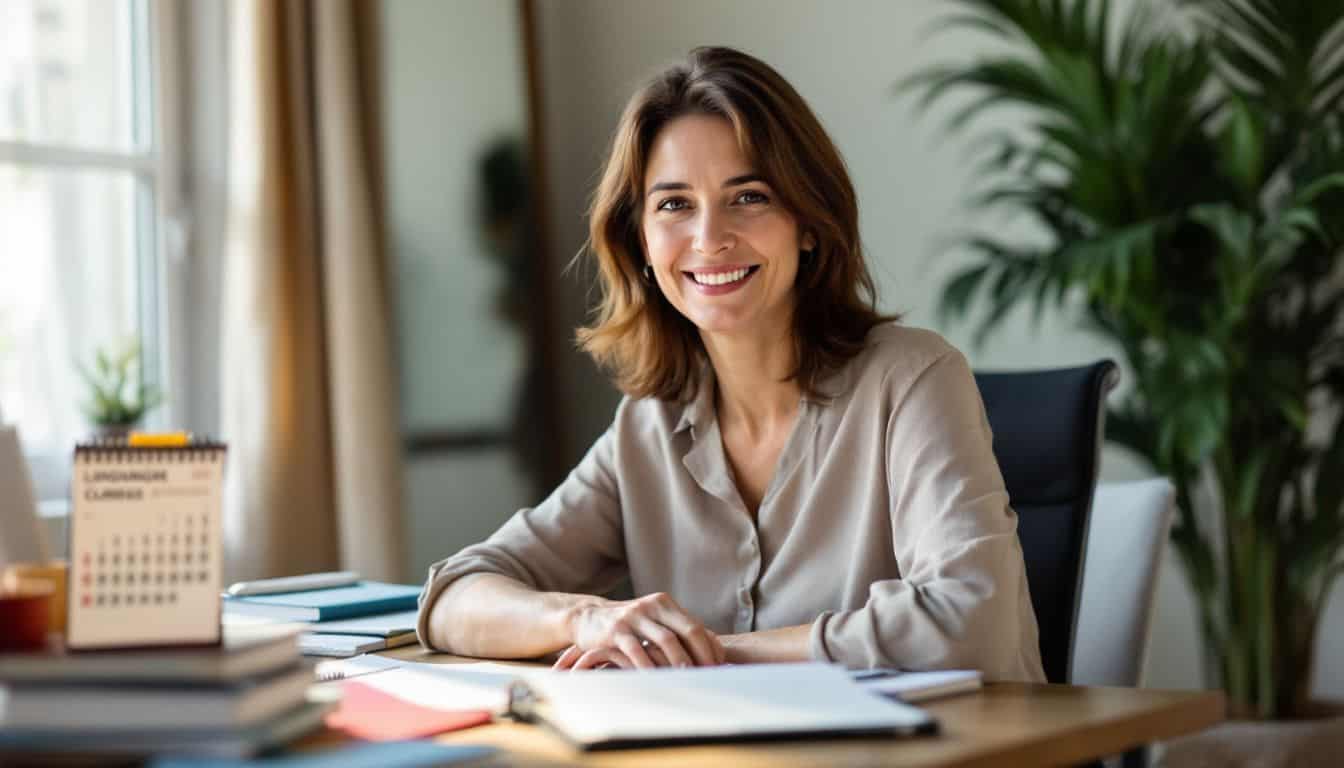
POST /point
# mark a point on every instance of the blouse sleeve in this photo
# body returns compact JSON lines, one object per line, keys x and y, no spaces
{"x":571,"y":542}
{"x":962,"y":600}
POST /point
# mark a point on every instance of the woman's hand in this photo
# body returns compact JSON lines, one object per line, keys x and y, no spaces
{"x":647,"y":632}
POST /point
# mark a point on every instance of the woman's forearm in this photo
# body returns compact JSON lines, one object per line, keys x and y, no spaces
{"x":770,"y":645}
{"x":494,"y":616}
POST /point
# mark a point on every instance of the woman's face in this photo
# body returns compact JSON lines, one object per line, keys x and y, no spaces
{"x":724,"y":252}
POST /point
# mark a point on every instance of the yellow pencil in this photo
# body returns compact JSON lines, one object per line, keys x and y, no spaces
{"x":158,"y":439}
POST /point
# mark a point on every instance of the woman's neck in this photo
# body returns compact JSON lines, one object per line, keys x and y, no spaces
{"x":754,"y":392}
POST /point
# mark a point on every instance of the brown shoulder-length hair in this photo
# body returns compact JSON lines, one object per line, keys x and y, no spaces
{"x":652,"y":349}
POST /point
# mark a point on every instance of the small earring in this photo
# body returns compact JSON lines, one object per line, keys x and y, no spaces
{"x":648,"y":274}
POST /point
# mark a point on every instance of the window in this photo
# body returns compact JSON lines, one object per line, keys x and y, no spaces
{"x":82,"y":190}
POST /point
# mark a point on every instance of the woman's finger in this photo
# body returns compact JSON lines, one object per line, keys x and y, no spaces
{"x":696,"y":640}
{"x":656,"y":653}
{"x":691,"y":634}
{"x":591,"y":659}
{"x":567,"y":659}
{"x":708,"y":645}
{"x":600,"y":656}
{"x":665,"y":640}
{"x":633,"y":650}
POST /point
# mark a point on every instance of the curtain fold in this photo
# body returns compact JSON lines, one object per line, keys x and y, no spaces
{"x":309,"y":391}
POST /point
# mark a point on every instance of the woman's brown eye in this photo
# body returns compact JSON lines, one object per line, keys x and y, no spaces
{"x":672,"y":204}
{"x":753,"y":197}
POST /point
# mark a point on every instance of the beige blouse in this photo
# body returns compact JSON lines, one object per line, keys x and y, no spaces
{"x":886,"y":525}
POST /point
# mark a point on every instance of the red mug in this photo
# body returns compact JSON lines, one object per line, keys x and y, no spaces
{"x":24,"y":608}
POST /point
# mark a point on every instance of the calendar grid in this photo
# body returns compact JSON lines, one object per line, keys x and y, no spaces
{"x":145,"y":545}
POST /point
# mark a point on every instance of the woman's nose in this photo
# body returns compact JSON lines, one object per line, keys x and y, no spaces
{"x":712,"y":235}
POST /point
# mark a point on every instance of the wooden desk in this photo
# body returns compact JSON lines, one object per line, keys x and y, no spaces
{"x":1011,"y":724}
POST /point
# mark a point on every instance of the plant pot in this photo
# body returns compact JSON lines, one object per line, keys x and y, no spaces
{"x":1307,"y":743}
{"x":113,"y":431}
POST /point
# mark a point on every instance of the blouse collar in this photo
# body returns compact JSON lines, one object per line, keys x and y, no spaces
{"x":698,"y":412}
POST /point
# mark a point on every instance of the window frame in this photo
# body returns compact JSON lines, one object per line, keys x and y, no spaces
{"x":162,"y":210}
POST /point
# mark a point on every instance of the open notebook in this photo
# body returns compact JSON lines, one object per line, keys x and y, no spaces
{"x":613,"y":709}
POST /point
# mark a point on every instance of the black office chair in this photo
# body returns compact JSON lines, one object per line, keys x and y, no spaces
{"x":1048,"y":427}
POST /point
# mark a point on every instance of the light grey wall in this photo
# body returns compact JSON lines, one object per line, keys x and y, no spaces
{"x":453,"y":83}
{"x":844,"y":57}
{"x":456,"y":500}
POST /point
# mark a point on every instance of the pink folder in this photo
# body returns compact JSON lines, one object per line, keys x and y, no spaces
{"x":368,"y":713}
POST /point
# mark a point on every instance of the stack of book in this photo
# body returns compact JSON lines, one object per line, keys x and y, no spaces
{"x":236,"y":699}
{"x":338,"y":621}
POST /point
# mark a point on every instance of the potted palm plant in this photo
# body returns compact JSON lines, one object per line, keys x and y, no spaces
{"x":1183,"y":164}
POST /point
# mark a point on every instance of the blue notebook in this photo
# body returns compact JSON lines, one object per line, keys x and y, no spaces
{"x":363,"y":599}
{"x":387,"y":754}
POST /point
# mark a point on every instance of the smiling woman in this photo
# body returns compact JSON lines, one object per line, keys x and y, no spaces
{"x":791,"y":475}
{"x":732,"y":117}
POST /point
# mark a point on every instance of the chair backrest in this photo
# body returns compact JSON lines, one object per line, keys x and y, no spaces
{"x":1048,"y":427}
{"x":1125,"y":544}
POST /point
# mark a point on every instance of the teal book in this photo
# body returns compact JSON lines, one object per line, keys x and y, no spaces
{"x":387,"y":754}
{"x":364,"y":599}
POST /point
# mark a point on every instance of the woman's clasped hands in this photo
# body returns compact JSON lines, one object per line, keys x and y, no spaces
{"x":650,"y":631}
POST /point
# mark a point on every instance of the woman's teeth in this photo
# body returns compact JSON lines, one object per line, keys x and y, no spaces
{"x":720,"y":278}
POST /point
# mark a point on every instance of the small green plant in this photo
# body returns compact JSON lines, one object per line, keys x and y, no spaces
{"x":118,"y":393}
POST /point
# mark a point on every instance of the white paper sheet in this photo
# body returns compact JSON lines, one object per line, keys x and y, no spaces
{"x":382,"y":625}
{"x":312,"y":644}
{"x":922,"y":686}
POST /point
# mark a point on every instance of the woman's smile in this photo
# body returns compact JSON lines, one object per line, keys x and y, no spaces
{"x":716,"y":281}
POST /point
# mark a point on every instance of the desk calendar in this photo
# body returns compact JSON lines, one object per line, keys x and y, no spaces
{"x":145,"y":544}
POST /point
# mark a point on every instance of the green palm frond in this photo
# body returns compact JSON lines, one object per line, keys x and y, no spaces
{"x":1185,"y":166}
{"x":1286,"y":54}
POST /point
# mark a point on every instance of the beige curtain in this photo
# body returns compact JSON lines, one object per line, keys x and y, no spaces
{"x":309,"y":389}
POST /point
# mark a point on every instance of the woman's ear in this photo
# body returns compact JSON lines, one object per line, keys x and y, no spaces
{"x":809,"y":241}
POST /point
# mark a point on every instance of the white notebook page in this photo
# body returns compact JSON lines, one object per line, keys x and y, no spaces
{"x":707,"y":702}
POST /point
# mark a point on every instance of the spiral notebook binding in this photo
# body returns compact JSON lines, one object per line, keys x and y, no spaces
{"x":334,"y":670}
{"x":119,"y":450}
{"x":123,"y":443}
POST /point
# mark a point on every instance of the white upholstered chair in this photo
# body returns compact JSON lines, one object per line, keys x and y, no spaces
{"x":1127,"y":537}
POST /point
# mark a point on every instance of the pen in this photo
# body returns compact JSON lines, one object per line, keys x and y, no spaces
{"x":875,"y":674}
{"x":304,"y":583}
